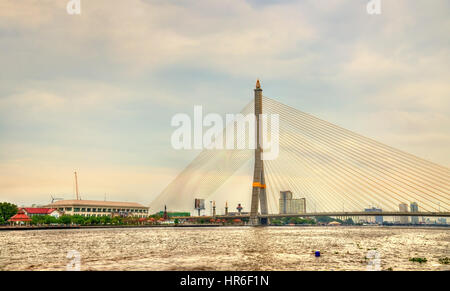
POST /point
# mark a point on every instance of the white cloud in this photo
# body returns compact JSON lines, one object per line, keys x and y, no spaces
{"x":84,"y":77}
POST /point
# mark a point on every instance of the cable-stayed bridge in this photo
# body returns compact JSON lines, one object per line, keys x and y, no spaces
{"x":336,"y":170}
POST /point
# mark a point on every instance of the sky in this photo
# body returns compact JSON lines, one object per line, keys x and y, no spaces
{"x":95,"y":92}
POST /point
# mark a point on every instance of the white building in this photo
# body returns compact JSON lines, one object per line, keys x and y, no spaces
{"x":35,"y":211}
{"x":89,"y":208}
{"x":289,"y":205}
{"x":403,"y":207}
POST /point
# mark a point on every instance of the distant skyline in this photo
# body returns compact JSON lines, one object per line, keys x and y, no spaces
{"x":95,"y":92}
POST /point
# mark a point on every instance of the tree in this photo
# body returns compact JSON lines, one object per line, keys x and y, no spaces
{"x":105,"y":219}
{"x":93,"y":220}
{"x":65,"y":219}
{"x":276,"y":222}
{"x":48,"y":219}
{"x":37,"y":219}
{"x":78,"y":219}
{"x":117,"y":220}
{"x":2,"y":221}
{"x":349,"y":221}
{"x":7,"y":210}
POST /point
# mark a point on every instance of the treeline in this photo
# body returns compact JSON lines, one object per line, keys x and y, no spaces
{"x":82,"y":220}
{"x":327,"y":219}
{"x":292,"y":220}
{"x":310,"y":221}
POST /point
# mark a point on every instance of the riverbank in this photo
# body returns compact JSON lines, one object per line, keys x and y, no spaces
{"x":50,"y":227}
{"x":58,"y":227}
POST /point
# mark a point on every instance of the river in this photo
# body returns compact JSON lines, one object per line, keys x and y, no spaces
{"x":227,"y":248}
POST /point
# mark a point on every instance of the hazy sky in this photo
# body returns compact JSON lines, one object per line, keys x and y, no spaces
{"x":95,"y":92}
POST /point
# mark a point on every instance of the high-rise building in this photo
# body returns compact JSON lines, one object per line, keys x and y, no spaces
{"x":289,"y":205}
{"x":414,"y":207}
{"x":298,"y":205}
{"x":378,"y":219}
{"x":403,"y":207}
{"x":285,"y":196}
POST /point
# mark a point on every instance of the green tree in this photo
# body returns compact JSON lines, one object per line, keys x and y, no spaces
{"x":117,"y":220}
{"x":48,"y":219}
{"x":93,"y":220}
{"x":2,"y":221}
{"x":65,"y":219}
{"x":37,"y":219}
{"x":349,"y":221}
{"x":105,"y":220}
{"x":7,"y":210}
{"x":78,"y":219}
{"x":276,"y":222}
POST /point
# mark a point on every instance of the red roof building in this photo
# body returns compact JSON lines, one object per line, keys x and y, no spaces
{"x":32,"y":211}
{"x":20,"y":217}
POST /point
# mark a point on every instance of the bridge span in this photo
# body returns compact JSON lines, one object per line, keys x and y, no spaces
{"x":332,"y":214}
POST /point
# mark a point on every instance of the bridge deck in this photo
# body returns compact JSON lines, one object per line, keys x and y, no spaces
{"x":313,"y":214}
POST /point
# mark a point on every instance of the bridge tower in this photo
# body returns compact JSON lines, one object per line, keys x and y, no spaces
{"x":259,"y":196}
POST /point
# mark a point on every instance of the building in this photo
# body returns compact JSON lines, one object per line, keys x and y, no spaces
{"x":289,"y":205}
{"x":33,"y":211}
{"x":285,"y":196}
{"x":20,"y":218}
{"x":89,"y":208}
{"x":378,"y":219}
{"x":442,"y":220}
{"x":414,"y":207}
{"x":403,"y":207}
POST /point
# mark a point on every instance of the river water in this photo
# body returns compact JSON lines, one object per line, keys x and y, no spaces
{"x":226,"y":248}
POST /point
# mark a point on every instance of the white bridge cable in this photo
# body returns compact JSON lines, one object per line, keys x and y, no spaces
{"x":328,"y":165}
{"x":286,"y":162}
{"x":362,"y":142}
{"x":445,"y":194}
{"x":205,"y":174}
{"x":333,"y":173}
{"x":294,"y":179}
{"x":328,"y":176}
{"x":338,"y":154}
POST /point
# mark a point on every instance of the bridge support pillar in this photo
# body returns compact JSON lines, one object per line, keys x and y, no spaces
{"x":259,"y":197}
{"x":255,"y":221}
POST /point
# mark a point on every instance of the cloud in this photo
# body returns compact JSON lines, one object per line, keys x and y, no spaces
{"x":102,"y":86}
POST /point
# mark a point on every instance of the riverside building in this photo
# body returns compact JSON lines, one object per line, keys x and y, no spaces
{"x":290,"y":205}
{"x":88,"y":208}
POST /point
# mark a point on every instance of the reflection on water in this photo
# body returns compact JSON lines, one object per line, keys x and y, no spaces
{"x":225,"y":248}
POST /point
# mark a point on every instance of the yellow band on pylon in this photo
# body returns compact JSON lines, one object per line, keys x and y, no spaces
{"x":257,"y":184}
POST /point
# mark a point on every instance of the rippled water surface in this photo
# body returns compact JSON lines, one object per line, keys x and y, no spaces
{"x":225,"y":248}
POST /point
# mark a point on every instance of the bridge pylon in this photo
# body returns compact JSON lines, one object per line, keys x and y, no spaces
{"x":259,"y":196}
